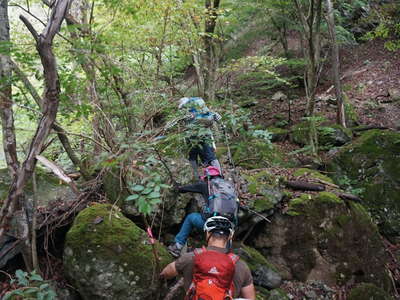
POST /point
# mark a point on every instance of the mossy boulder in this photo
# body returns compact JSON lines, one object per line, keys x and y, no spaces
{"x":313,"y":174}
{"x":333,"y":135}
{"x":265,"y":188}
{"x":371,"y":165}
{"x":106,"y":256}
{"x":264,"y":273}
{"x":368,"y":291}
{"x":257,"y":154}
{"x":323,"y":238}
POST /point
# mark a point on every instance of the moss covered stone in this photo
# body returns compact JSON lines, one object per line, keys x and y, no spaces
{"x":264,"y":185}
{"x":371,"y":165}
{"x":368,"y":291}
{"x":312,"y":173}
{"x":254,"y":258}
{"x":323,"y":238}
{"x":257,"y":154}
{"x":107,"y":256}
{"x":328,"y":197}
{"x":333,"y":135}
{"x":265,"y":274}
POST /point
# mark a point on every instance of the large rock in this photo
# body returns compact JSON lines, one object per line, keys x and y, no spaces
{"x":371,"y":165}
{"x":264,"y":273}
{"x":323,"y":238}
{"x":256,"y":154}
{"x":49,"y":187}
{"x":334,"y":135}
{"x":106,"y":256}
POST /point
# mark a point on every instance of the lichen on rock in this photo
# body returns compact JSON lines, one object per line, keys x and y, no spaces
{"x":107,"y":256}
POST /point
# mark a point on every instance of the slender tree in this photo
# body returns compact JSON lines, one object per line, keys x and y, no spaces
{"x":211,"y":59}
{"x":6,"y":112}
{"x":309,"y":16}
{"x":50,"y":102}
{"x":340,"y":114}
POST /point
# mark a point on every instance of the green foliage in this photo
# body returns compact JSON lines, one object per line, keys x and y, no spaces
{"x":389,"y":25}
{"x":31,"y":287}
{"x":347,"y":184}
{"x":147,"y":194}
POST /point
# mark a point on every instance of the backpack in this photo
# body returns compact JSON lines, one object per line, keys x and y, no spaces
{"x":200,"y":113}
{"x":223,"y":199}
{"x":213,"y":273}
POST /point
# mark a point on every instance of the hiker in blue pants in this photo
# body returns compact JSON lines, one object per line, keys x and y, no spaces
{"x":220,"y":199}
{"x":195,"y":220}
{"x":192,"y":220}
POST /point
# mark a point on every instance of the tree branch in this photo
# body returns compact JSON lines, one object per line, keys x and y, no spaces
{"x":30,"y":28}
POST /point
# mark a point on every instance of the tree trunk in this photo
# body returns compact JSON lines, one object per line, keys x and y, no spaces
{"x":340,"y":114}
{"x":211,"y":58}
{"x":50,"y":106}
{"x":311,"y":34}
{"x":6,"y":112}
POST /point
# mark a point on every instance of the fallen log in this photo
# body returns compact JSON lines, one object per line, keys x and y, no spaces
{"x":368,"y":127}
{"x":346,"y":196}
{"x":305,"y":186}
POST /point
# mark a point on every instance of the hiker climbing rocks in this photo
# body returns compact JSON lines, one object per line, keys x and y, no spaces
{"x":199,"y":120}
{"x":213,"y":272}
{"x":219,"y":199}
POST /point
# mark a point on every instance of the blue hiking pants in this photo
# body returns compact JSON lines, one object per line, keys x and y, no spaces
{"x":192,"y":220}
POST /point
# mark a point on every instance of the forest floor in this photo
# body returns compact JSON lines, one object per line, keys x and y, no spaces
{"x":369,"y":74}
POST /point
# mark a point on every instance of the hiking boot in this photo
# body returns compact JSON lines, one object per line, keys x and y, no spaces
{"x":175,"y":250}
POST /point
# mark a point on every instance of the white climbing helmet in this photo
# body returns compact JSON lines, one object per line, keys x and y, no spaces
{"x":219,"y":224}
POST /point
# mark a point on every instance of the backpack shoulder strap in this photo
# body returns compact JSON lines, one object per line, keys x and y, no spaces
{"x":235,"y":258}
{"x":198,"y":251}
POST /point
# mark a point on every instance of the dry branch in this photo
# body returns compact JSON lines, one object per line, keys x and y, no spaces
{"x":58,"y":172}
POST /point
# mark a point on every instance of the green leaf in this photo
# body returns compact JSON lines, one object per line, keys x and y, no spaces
{"x":35,"y":277}
{"x":44,"y":286}
{"x":51,"y":295}
{"x":151,"y":184}
{"x":154,"y":195}
{"x":147,"y":191}
{"x":132,"y":197}
{"x":40,"y":296}
{"x":30,"y":290}
{"x":155,"y":201}
{"x":138,"y":188}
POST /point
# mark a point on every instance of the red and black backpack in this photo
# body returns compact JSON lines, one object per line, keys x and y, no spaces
{"x":213,"y":273}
